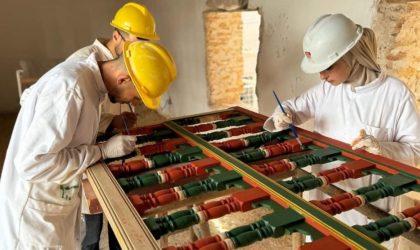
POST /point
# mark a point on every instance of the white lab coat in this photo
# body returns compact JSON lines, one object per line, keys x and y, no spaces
{"x":97,"y":47}
{"x":109,"y":109}
{"x":386,"y":109}
{"x":50,"y":148}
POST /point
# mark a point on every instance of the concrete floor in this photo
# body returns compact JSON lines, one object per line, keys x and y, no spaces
{"x":7,"y":121}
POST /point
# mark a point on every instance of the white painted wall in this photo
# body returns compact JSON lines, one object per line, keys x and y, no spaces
{"x":181,"y":28}
{"x":46,"y":31}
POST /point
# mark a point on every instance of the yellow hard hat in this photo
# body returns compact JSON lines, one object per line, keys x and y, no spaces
{"x":135,"y":19}
{"x":151,"y":69}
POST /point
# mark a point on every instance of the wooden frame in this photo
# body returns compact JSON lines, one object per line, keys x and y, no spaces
{"x":132,"y":233}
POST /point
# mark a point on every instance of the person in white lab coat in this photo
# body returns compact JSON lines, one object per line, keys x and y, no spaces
{"x":354,"y":95}
{"x":132,"y":22}
{"x":53,"y":141}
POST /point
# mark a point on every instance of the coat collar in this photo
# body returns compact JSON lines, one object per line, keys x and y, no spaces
{"x":100,"y":85}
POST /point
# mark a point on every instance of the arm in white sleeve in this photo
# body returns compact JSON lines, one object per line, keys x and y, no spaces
{"x":47,"y":154}
{"x":407,"y":153}
{"x":302,"y":107}
{"x":406,"y":144}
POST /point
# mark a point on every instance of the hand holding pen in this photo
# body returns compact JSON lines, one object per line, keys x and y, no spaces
{"x":288,"y":119}
{"x":129,"y":123}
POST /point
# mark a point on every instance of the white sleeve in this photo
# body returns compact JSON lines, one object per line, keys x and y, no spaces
{"x":302,"y":107}
{"x":46,"y":154}
{"x":405,"y":146}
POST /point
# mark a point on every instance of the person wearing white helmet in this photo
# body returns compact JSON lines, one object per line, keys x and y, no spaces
{"x":356,"y":102}
{"x":53,"y":141}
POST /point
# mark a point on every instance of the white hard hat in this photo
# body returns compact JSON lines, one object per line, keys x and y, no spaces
{"x":327,"y":40}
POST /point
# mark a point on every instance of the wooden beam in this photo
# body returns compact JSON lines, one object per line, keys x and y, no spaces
{"x":128,"y":226}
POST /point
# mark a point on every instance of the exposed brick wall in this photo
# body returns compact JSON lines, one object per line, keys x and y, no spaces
{"x":224,"y":57}
{"x":397,"y":27}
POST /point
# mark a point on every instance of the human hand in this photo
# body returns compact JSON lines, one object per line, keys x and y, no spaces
{"x":118,"y":125}
{"x":118,"y":145}
{"x":281,"y":120}
{"x":367,"y":142}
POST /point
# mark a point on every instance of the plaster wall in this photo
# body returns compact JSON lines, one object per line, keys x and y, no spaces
{"x":181,"y":27}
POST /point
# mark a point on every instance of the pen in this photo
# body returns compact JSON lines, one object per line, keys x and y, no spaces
{"x":291,"y":127}
{"x":126,"y":129}
{"x":125,"y":125}
{"x":131,"y":110}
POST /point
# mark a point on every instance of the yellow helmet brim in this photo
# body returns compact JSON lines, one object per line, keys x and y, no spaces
{"x":151,"y":69}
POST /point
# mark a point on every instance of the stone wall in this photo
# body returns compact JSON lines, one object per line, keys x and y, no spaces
{"x":223,"y":36}
{"x":397,"y":27}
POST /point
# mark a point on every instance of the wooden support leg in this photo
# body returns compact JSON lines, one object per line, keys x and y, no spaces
{"x":163,"y":241}
{"x":201,"y":230}
{"x":297,"y":238}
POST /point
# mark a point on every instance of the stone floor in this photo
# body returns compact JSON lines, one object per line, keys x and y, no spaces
{"x":229,"y":222}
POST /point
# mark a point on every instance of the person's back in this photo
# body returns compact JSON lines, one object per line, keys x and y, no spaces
{"x":39,"y":178}
{"x":98,"y":47}
{"x":104,"y":54}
